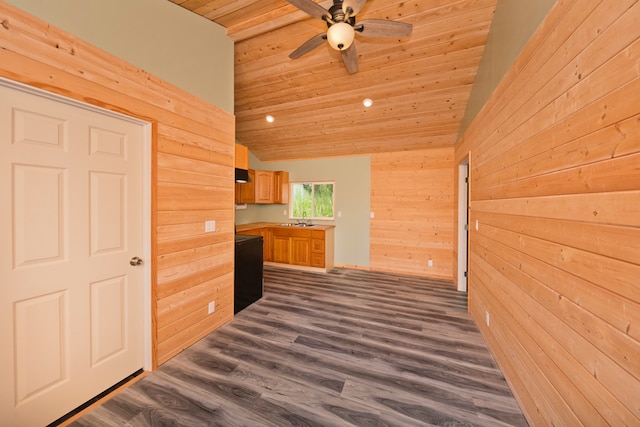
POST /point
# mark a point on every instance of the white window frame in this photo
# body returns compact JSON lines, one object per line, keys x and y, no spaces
{"x":313,"y":184}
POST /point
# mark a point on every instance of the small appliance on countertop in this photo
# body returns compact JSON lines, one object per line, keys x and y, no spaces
{"x":247,"y":283}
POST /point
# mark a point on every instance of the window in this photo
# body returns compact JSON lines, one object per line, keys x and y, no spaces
{"x":312,"y":200}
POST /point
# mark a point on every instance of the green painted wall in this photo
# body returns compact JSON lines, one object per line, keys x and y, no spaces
{"x":513,"y":24}
{"x":352,"y":176}
{"x":157,"y":36}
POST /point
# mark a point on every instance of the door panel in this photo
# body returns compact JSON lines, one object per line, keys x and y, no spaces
{"x":44,"y":317}
{"x":38,"y":211}
{"x":108,"y":320}
{"x":107,"y":201}
{"x":71,"y":214}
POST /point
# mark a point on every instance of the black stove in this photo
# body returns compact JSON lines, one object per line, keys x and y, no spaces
{"x":247,"y":284}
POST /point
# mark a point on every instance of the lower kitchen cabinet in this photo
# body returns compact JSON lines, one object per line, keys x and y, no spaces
{"x":291,"y":246}
{"x":303,"y":247}
{"x":281,"y":248}
{"x":300,"y":251}
{"x":318,"y":252}
{"x":267,"y":239}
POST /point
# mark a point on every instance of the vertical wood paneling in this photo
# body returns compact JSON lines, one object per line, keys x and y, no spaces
{"x":412,"y":199}
{"x":555,"y":188}
{"x":192,"y":171}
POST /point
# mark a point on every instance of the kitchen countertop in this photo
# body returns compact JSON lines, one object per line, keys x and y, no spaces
{"x":257,"y":225}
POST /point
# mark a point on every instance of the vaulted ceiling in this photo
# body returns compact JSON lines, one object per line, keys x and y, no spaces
{"x":419,"y":84}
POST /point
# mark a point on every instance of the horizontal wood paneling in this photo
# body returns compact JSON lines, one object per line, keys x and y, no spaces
{"x":419,"y":84}
{"x":195,"y":184}
{"x":412,"y":199}
{"x":555,"y":189}
{"x":192,"y":176}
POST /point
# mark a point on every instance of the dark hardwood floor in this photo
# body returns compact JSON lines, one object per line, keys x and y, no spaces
{"x":345,"y":348}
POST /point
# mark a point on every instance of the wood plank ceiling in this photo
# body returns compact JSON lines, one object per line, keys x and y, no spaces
{"x":419,"y":84}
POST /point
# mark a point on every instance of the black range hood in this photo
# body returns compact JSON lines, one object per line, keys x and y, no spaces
{"x":242,"y":175}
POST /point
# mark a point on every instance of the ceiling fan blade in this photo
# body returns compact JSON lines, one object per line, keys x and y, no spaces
{"x":311,"y":8}
{"x":355,"y":5}
{"x":383,"y":28}
{"x":308,"y":46}
{"x":350,"y":59}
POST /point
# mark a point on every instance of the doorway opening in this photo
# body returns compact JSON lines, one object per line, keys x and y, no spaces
{"x":463,"y":225}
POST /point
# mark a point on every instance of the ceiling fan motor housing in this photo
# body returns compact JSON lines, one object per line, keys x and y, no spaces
{"x":338,"y":15}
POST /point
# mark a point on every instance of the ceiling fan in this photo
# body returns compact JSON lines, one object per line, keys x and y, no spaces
{"x":341,"y":20}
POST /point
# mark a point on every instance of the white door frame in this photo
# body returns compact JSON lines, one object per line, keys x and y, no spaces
{"x":463,"y":226}
{"x":146,"y":194}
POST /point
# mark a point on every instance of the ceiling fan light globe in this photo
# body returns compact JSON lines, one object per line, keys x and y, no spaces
{"x":340,"y":35}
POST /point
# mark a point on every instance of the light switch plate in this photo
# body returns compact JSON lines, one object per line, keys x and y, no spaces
{"x":209,"y":226}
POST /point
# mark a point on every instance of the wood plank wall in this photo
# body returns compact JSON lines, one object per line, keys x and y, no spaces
{"x":412,"y":200}
{"x":555,"y":187}
{"x":192,"y":171}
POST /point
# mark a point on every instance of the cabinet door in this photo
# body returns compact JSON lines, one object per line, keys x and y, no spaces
{"x":301,"y":251}
{"x":245,"y":193}
{"x":264,"y":187}
{"x":280,"y":248}
{"x":317,"y":249}
{"x":317,"y":259}
{"x":242,"y":157}
{"x":317,"y":245}
{"x":281,"y":187}
{"x":267,"y":235}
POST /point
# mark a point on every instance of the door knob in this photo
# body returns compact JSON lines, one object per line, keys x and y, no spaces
{"x":135,"y":261}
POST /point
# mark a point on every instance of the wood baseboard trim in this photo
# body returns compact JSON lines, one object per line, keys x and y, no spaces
{"x":296,"y":267}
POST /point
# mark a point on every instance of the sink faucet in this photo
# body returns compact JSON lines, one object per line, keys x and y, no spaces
{"x":304,"y":221}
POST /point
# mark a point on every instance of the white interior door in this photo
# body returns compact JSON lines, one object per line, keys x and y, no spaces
{"x":71,"y":210}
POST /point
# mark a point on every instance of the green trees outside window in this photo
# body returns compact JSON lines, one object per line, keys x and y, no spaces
{"x":312,"y":200}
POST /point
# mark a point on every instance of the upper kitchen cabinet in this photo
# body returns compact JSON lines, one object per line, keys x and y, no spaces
{"x":245,"y":192}
{"x":281,"y":187}
{"x":242,"y":157}
{"x":264,"y":187}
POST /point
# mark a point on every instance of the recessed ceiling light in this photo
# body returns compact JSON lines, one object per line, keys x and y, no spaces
{"x":270,"y":119}
{"x":367,"y":103}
